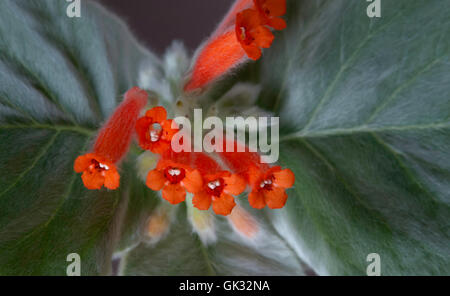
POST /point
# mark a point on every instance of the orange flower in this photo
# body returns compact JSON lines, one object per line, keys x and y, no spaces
{"x":268,"y":184}
{"x":271,"y":10}
{"x":219,"y":189}
{"x":112,"y":143}
{"x":97,"y":171}
{"x":252,"y":34}
{"x":155,"y":131}
{"x":174,"y":179}
{"x":268,"y":188}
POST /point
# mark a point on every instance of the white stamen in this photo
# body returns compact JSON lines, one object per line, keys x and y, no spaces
{"x":154,"y":136}
{"x":265,"y":182}
{"x":243,"y":35}
{"x":103,"y":166}
{"x":174,"y":172}
{"x":212,"y":185}
{"x":217,"y":183}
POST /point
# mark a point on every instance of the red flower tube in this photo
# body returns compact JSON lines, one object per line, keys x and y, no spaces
{"x":241,"y":34}
{"x":221,"y":53}
{"x":112,"y":143}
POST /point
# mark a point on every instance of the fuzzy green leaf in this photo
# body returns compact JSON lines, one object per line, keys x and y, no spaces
{"x":364,"y":110}
{"x":60,"y":78}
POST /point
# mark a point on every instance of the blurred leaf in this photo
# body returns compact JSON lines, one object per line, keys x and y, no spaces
{"x":59,"y":79}
{"x":183,"y":253}
{"x":364,"y":110}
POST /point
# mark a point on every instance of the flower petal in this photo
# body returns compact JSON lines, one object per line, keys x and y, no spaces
{"x":174,"y":193}
{"x":274,"y":7}
{"x":223,"y":205}
{"x":284,"y":178}
{"x":249,"y":18}
{"x":92,"y":181}
{"x":112,"y":179}
{"x":155,"y":180}
{"x":263,"y":36}
{"x":234,"y":184}
{"x":277,"y":23}
{"x":256,"y":199}
{"x":193,"y":181}
{"x":159,"y":147}
{"x":157,"y":114}
{"x":202,"y":201}
{"x":254,"y":176}
{"x":167,"y":131}
{"x":275,"y":198}
{"x":82,"y":163}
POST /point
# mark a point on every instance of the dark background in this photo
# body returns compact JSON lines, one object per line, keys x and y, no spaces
{"x":157,"y":22}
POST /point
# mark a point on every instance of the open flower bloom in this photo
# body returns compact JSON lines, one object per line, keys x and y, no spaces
{"x":112,"y":143}
{"x":155,"y":131}
{"x":219,"y":186}
{"x":218,"y":190}
{"x":174,"y":178}
{"x":97,"y":171}
{"x":271,"y":11}
{"x":252,"y":34}
{"x":268,"y":184}
{"x":269,"y":187}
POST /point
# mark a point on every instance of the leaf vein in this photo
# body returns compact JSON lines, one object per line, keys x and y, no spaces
{"x":33,"y":164}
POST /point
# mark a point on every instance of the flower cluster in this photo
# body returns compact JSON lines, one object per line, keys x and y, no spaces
{"x":213,"y":180}
{"x":177,"y":173}
{"x":180,"y":172}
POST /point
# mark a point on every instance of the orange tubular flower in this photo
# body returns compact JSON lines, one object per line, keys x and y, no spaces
{"x":219,"y":187}
{"x":174,"y":179}
{"x":271,"y":10}
{"x":252,"y":34}
{"x":268,"y":184}
{"x":221,"y":53}
{"x":112,"y":143}
{"x":97,"y":171}
{"x":243,"y":31}
{"x":155,"y":131}
{"x":268,"y":187}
